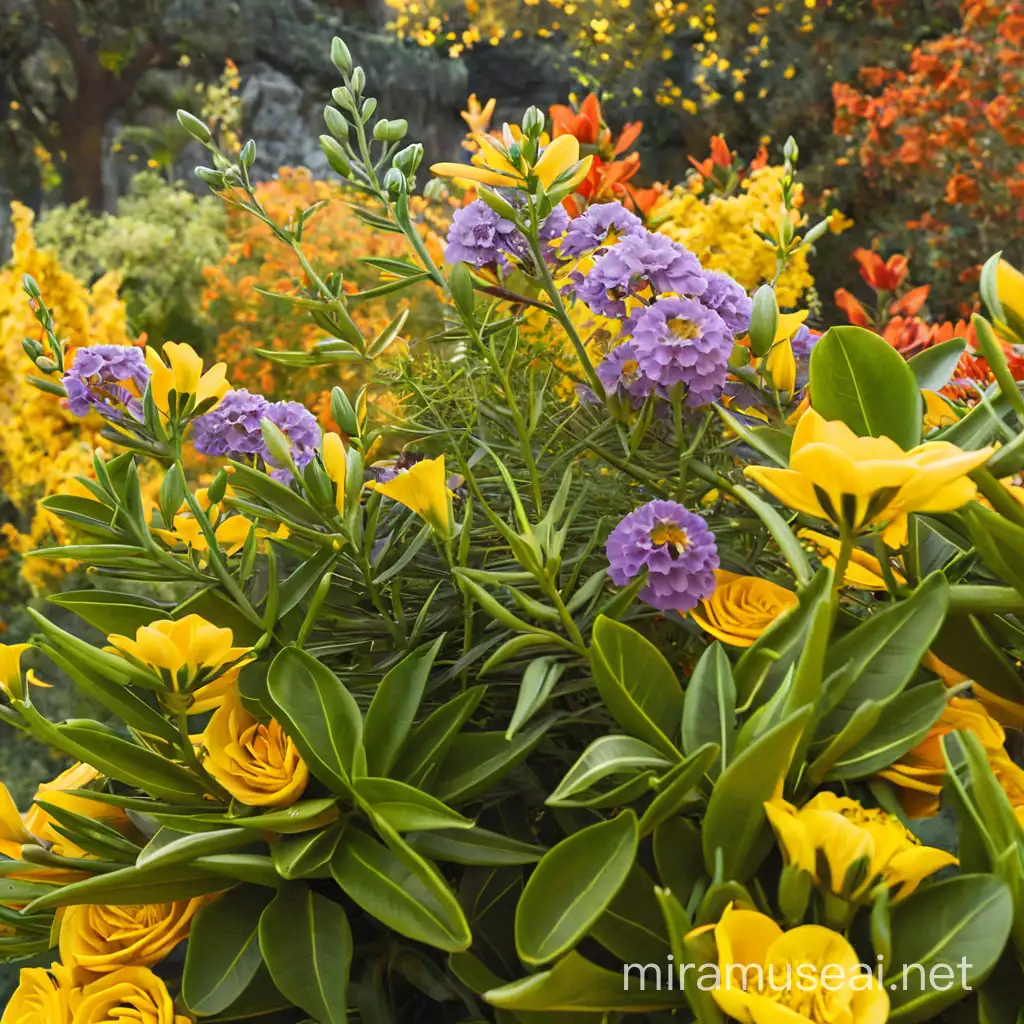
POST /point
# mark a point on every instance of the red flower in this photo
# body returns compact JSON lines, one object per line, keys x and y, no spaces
{"x":854,"y":311}
{"x":911,"y":302}
{"x":585,"y":124}
{"x":720,"y":157}
{"x":884,"y":276}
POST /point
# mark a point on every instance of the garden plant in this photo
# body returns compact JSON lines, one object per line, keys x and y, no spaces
{"x":620,"y":649}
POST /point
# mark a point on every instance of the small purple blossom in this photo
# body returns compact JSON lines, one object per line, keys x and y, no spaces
{"x":632,"y":265}
{"x":233,"y":428}
{"x":728,"y":299}
{"x":683,"y":341}
{"x":602,"y":224}
{"x":299,"y":425}
{"x":676,"y":548}
{"x":620,"y":373}
{"x":479,"y":236}
{"x":97,"y":379}
{"x":804,"y":341}
{"x":554,"y":224}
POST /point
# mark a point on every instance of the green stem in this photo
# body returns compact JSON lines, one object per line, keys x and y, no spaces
{"x":845,"y":551}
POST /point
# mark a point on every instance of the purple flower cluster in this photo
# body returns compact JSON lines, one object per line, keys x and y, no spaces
{"x":233,"y":430}
{"x":633,"y":265}
{"x":682,"y":341}
{"x":601,"y":225}
{"x":728,"y":299}
{"x":479,"y":236}
{"x":676,"y":548}
{"x":97,"y":379}
{"x":620,"y":373}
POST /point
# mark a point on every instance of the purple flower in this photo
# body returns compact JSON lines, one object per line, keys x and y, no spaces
{"x":97,"y":377}
{"x":728,"y":299}
{"x":804,"y":341}
{"x":299,"y":425}
{"x":682,"y":341}
{"x":554,"y":224}
{"x":600,"y":225}
{"x":674,"y":545}
{"x":479,"y":236}
{"x":233,"y":428}
{"x":634,"y":264}
{"x":620,"y":372}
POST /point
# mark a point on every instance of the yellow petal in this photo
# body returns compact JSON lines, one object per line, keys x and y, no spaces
{"x":1010,"y":288}
{"x":424,"y":489}
{"x":792,"y":489}
{"x":556,"y":158}
{"x":789,"y":324}
{"x":333,"y":453}
{"x":781,"y":364}
{"x":467,"y":172}
{"x":792,"y":833}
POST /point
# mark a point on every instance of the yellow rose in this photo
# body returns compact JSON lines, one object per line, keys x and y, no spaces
{"x":861,"y":482}
{"x":132,"y":994}
{"x":42,"y":997}
{"x":97,"y":939}
{"x":809,"y":975}
{"x":742,"y":607}
{"x":850,"y":849}
{"x":256,"y":763}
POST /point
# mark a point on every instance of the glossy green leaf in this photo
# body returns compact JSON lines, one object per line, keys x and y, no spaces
{"x":572,"y":886}
{"x":476,"y":846}
{"x":676,"y":788}
{"x":308,"y":854}
{"x":607,"y":756}
{"x":632,"y":928}
{"x":934,"y":366}
{"x":405,"y":808}
{"x":170,"y":847}
{"x":110,"y":611}
{"x":539,"y":678}
{"x":306,"y":942}
{"x":859,"y":378}
{"x":709,"y":710}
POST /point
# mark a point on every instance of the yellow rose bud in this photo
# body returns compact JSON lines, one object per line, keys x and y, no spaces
{"x":133,"y":994}
{"x":742,"y":607}
{"x":97,"y":939}
{"x":764,"y":973}
{"x":256,"y":763}
{"x":42,"y":997}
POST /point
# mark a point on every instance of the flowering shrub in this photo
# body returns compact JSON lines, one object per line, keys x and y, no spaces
{"x":563,"y":692}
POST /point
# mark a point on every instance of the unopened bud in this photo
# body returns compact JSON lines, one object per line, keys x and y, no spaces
{"x":336,"y":156}
{"x":764,"y":320}
{"x":216,"y":491}
{"x":276,"y":442}
{"x":358,"y":80}
{"x":32,"y":348}
{"x":340,"y":56}
{"x":394,"y":183}
{"x":46,"y":364}
{"x":397,"y":129}
{"x":533,"y":122}
{"x":498,"y":203}
{"x":344,"y":98}
{"x":336,"y":123}
{"x":380,"y":129}
{"x":248,"y":155}
{"x":460,"y":283}
{"x":212,"y":178}
{"x":791,"y":151}
{"x":343,"y":414}
{"x":196,"y":128}
{"x":408,"y":160}
{"x":367,"y":109}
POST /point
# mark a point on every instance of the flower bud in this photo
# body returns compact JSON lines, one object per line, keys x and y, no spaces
{"x":277,"y":444}
{"x":460,"y":283}
{"x":408,"y":160}
{"x":32,"y":348}
{"x":344,"y":98}
{"x":318,"y":483}
{"x":367,"y":109}
{"x":212,"y":178}
{"x":46,"y":364}
{"x":343,"y":414}
{"x":791,"y":151}
{"x":794,"y":894}
{"x":233,"y":177}
{"x":28,"y":282}
{"x":380,"y":129}
{"x":248,"y":155}
{"x":358,"y":80}
{"x":216,"y":491}
{"x":394,"y":183}
{"x":533,"y":122}
{"x":196,"y":128}
{"x":335,"y":156}
{"x":816,"y":232}
{"x":764,"y":320}
{"x":397,"y":129}
{"x":171,"y":495}
{"x":336,"y":123}
{"x":340,"y":56}
{"x":497,"y":202}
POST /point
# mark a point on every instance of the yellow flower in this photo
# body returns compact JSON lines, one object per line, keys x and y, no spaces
{"x":132,"y":994}
{"x":863,"y":571}
{"x":1010,"y":289}
{"x":781,"y":362}
{"x":42,"y":997}
{"x":1007,"y":713}
{"x":182,"y":651}
{"x":838,"y":222}
{"x":809,"y":975}
{"x":937,"y":411}
{"x":860,"y":482}
{"x":742,"y":607}
{"x":333,"y":453}
{"x":495,"y":164}
{"x":10,"y":668}
{"x":849,"y":849}
{"x":97,"y":939}
{"x":478,"y":117}
{"x":424,"y":489}
{"x":183,"y":374}
{"x":256,"y":763}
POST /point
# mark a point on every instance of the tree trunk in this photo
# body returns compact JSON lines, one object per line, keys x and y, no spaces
{"x":81,"y":138}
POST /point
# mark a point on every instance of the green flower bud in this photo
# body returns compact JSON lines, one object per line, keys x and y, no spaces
{"x":460,"y":283}
{"x":28,"y":282}
{"x":318,"y":483}
{"x":233,"y":177}
{"x":335,"y":156}
{"x":46,"y":364}
{"x":408,"y":160}
{"x":248,"y":154}
{"x":344,"y":98}
{"x":791,"y":151}
{"x":358,"y":80}
{"x":171,"y":495}
{"x":794,"y":894}
{"x":276,"y":442}
{"x":397,"y":129}
{"x":216,"y":491}
{"x":336,"y":123}
{"x":533,"y":122}
{"x":196,"y":128}
{"x":340,"y":56}
{"x":343,"y":414}
{"x":764,"y":320}
{"x":394,"y":183}
{"x":32,"y":348}
{"x":367,"y":109}
{"x":380,"y":129}
{"x":499,"y":204}
{"x":212,"y":178}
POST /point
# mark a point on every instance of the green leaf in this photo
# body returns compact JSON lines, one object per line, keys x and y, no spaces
{"x":539,"y":679}
{"x":966,"y":644}
{"x":934,"y":367}
{"x":632,"y":928}
{"x":777,"y":526}
{"x":999,"y":542}
{"x":952,"y":931}
{"x":474,"y":846}
{"x":398,"y":887}
{"x":319,"y":714}
{"x":300,"y":817}
{"x":306,"y":855}
{"x":678,"y":856}
{"x":275,"y":495}
{"x":709,"y":711}
{"x":575,"y":984}
{"x":394,"y":705}
{"x":306,"y":942}
{"x":428,"y":744}
{"x":904,"y":721}
{"x":572,"y":886}
{"x":405,"y":808}
{"x":859,"y":378}
{"x":170,"y":847}
{"x":608,"y":755}
{"x":110,"y":611}
{"x":768,"y":441}
{"x":735,"y":822}
{"x":223,"y":953}
{"x":678,"y":787}
{"x":637,"y":684}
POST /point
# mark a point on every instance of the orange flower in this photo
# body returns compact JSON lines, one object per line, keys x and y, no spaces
{"x":910,"y":302}
{"x":852,"y":307}
{"x":883,"y":276}
{"x":963,"y":189}
{"x":585,"y":123}
{"x":720,"y":157}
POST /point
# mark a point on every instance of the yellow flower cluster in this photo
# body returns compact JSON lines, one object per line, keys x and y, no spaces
{"x":42,"y":446}
{"x":722,"y":232}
